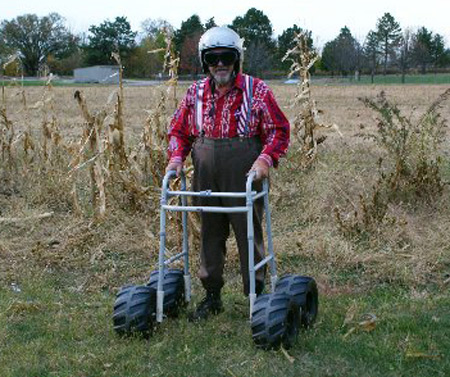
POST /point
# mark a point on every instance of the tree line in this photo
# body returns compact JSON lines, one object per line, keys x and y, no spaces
{"x":44,"y":44}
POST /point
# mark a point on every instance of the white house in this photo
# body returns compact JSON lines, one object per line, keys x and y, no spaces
{"x":102,"y":74}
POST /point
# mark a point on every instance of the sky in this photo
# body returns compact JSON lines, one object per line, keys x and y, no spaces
{"x":324,"y":18}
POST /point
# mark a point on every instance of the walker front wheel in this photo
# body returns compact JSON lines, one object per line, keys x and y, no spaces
{"x":275,"y":321}
{"x":134,"y":311}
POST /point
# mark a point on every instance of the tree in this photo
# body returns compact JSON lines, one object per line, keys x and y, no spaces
{"x":258,"y":59}
{"x":109,"y":37}
{"x":254,"y":26}
{"x":189,"y":59}
{"x":371,"y":52}
{"x":328,"y":59}
{"x":186,"y":43}
{"x":210,"y":23}
{"x":152,"y":28}
{"x":342,"y":54}
{"x":422,"y":41}
{"x":36,"y":38}
{"x":192,"y":26}
{"x":5,"y":51}
{"x":256,"y":29}
{"x":287,"y":42}
{"x":405,"y":52}
{"x":389,"y":36}
{"x":438,"y":56}
{"x":146,"y":60}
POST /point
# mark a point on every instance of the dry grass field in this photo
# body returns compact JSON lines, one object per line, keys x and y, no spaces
{"x":50,"y":232}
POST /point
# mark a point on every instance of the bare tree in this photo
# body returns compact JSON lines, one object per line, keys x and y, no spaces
{"x":405,"y":52}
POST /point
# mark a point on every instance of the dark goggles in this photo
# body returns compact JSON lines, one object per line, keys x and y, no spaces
{"x":226,"y":57}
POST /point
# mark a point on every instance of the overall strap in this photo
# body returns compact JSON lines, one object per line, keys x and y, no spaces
{"x":199,"y":106}
{"x":246,"y":107}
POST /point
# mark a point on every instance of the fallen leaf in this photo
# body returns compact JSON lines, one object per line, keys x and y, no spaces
{"x":369,"y":322}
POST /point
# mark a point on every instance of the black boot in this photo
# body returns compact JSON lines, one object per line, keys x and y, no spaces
{"x":211,"y":304}
{"x":259,"y":287}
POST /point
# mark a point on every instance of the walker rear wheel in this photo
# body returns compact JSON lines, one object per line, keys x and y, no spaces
{"x":173,"y":287}
{"x":303,"y":290}
{"x":134,"y":311}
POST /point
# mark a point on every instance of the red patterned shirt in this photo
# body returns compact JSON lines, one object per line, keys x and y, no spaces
{"x":221,"y":117}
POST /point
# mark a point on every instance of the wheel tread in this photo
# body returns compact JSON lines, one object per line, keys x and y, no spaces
{"x":173,"y":287}
{"x":303,"y":289}
{"x":134,"y":310}
{"x":269,"y":320}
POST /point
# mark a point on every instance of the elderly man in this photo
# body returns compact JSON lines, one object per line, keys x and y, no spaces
{"x":232,"y":124}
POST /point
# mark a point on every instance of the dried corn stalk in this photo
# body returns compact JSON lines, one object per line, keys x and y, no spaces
{"x":171,"y":63}
{"x":51,"y":137}
{"x":7,"y":135}
{"x":306,"y":121}
{"x":7,"y":131}
{"x":117,"y":128}
{"x":92,"y":139}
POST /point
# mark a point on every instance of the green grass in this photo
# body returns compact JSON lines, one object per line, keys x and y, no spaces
{"x":69,"y":267}
{"x":416,"y":79}
{"x":44,"y":82}
{"x":50,"y":329}
{"x":429,"y":78}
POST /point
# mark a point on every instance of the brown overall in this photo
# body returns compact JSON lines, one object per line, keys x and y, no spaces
{"x":222,"y":165}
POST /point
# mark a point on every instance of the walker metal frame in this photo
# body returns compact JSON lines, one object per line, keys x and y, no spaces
{"x":250,"y":197}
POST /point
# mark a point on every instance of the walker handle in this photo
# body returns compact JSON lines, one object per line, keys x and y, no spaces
{"x":172,"y":174}
{"x":251,"y":178}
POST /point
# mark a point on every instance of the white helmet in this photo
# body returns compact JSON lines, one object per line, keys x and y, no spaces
{"x":221,"y":37}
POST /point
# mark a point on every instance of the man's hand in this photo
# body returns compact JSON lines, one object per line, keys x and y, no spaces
{"x":261,"y":168}
{"x":177,"y":166}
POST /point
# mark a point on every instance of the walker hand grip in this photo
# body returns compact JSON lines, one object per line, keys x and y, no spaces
{"x":172,"y":174}
{"x":251,"y":178}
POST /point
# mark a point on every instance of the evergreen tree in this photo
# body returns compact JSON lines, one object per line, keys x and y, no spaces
{"x":186,"y":43}
{"x":256,"y":29}
{"x":107,"y":38}
{"x":372,"y":52}
{"x":438,"y":56}
{"x":342,"y":54}
{"x":210,"y":23}
{"x":286,"y":42}
{"x":192,"y":27}
{"x":422,"y":49}
{"x":389,"y":36}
